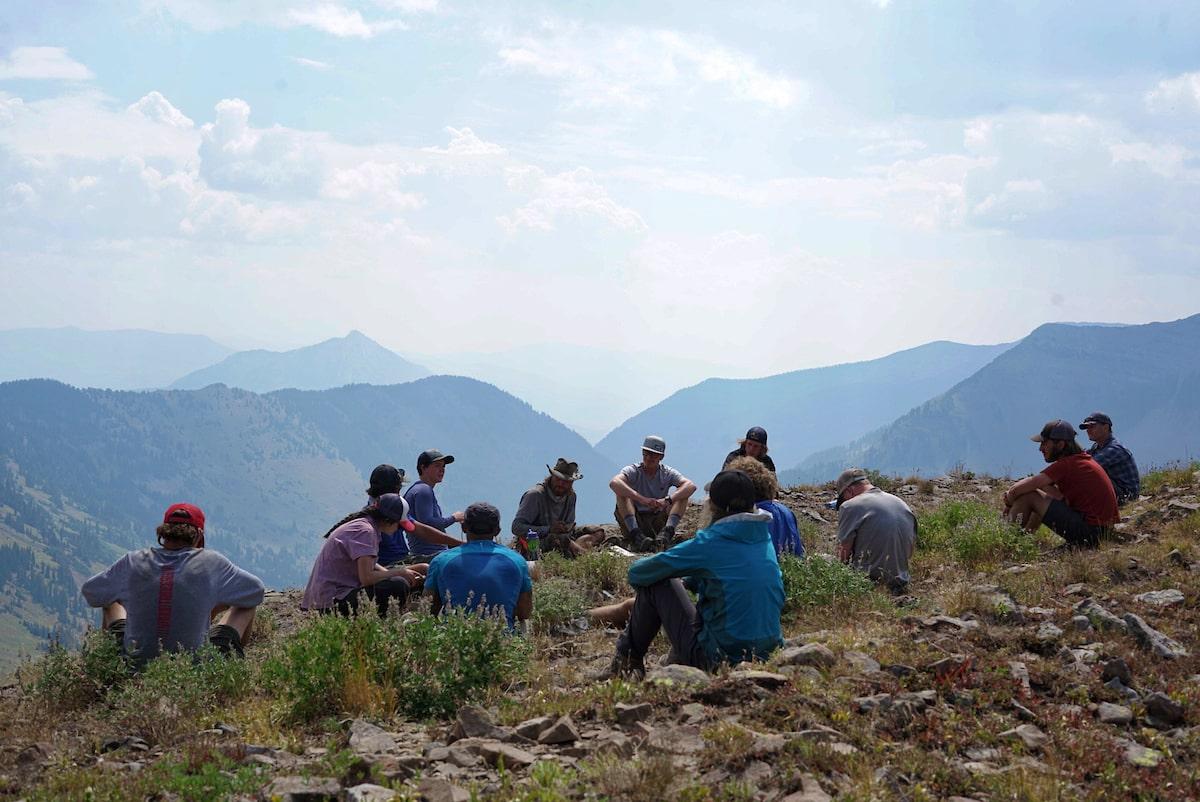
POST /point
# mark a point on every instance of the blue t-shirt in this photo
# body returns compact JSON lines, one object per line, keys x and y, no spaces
{"x":423,"y":506}
{"x":785,"y":534}
{"x":479,"y":570}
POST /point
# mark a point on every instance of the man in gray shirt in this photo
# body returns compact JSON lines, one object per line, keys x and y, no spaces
{"x":876,"y":530}
{"x":548,"y":508}
{"x":646,"y":511}
{"x":162,"y":599}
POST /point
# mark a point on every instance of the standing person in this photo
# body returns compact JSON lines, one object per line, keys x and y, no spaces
{"x":731,"y":566}
{"x":785,"y":534}
{"x":347,"y":566}
{"x":481,"y":574}
{"x":162,"y":599}
{"x":548,"y":508}
{"x":1116,"y":460}
{"x":1072,"y":496}
{"x":431,"y":470}
{"x":877,"y":531}
{"x":646,"y":512}
{"x":754,"y":444}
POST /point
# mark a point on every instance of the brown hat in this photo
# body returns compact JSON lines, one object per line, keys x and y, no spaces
{"x":565,"y":470}
{"x":849,"y":477}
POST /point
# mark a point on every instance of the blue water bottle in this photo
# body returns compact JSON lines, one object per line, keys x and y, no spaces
{"x":532,"y":543}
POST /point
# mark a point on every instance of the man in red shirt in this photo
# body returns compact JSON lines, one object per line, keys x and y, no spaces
{"x":1073,"y":495}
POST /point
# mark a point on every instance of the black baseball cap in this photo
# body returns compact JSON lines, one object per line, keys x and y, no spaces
{"x":1096,"y":417}
{"x":385,"y":479}
{"x":431,"y":456}
{"x":732,"y":490}
{"x":757,"y":434}
{"x":481,"y":518}
{"x":1055,"y":430}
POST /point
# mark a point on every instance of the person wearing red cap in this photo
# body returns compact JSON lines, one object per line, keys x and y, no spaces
{"x":347,"y":566}
{"x":162,"y":599}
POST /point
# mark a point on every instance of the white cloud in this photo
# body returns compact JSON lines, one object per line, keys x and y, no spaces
{"x":464,"y":142}
{"x":42,"y":63}
{"x":373,"y":181}
{"x":341,"y":21}
{"x":1178,"y":94}
{"x":336,"y":19}
{"x":633,"y":67}
{"x":158,"y":109}
{"x":311,"y":63}
{"x":573,"y":194}
{"x":1167,"y":160}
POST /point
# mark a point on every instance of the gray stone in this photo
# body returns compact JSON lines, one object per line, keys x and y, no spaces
{"x":1138,"y":755}
{"x":1115,"y":684}
{"x":1117,"y":668}
{"x":302,"y":789}
{"x":1161,"y":598}
{"x":1150,"y":638}
{"x":1114,"y":714}
{"x":1163,"y":712}
{"x":861,"y":661}
{"x":368,"y":739}
{"x":757,"y":774}
{"x":436,"y":789}
{"x":676,"y":674}
{"x":810,"y":791}
{"x":1100,"y":617}
{"x":616,"y":744}
{"x":982,"y":753}
{"x":473,"y":722}
{"x":532,"y":728}
{"x":1040,"y":613}
{"x":513,"y":757}
{"x":1020,"y":673}
{"x":840,"y":748}
{"x":811,"y":654}
{"x":633,"y":713}
{"x":1081,"y":623}
{"x":944,"y":622}
{"x":1177,"y":557}
{"x":866,"y":704}
{"x":764,"y":679}
{"x":952,"y":666}
{"x":1029,"y":735}
{"x":998,"y":604}
{"x":368,"y":792}
{"x":1049,"y":633}
{"x":1077,"y":589}
{"x":693,"y":713}
{"x":562,"y":731}
{"x":677,"y":740}
{"x":1023,"y":712}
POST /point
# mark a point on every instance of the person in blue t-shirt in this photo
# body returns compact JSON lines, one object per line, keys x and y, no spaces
{"x":481,"y":572}
{"x":785,"y":534}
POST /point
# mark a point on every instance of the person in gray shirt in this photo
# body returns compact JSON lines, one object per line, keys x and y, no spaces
{"x":548,"y":508}
{"x":876,"y":530}
{"x":163,"y":599}
{"x":646,"y":511}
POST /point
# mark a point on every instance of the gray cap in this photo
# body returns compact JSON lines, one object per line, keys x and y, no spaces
{"x":655,"y":444}
{"x":848,"y":477}
{"x":481,"y":518}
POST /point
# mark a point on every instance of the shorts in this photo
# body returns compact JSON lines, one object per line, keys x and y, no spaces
{"x":223,"y":637}
{"x":1071,"y":526}
{"x":650,"y":522}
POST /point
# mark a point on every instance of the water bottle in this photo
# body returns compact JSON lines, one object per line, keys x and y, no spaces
{"x":532,"y":543}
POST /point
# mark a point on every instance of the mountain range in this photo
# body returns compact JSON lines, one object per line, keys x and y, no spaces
{"x":803,"y":411}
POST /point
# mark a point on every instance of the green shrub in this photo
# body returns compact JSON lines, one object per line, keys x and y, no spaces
{"x":1178,"y":475}
{"x":202,"y":776}
{"x":421,"y":666}
{"x":973,"y":533}
{"x":593,"y":571}
{"x":175,"y":692}
{"x":819,"y":580}
{"x":63,"y":680}
{"x":557,"y":600}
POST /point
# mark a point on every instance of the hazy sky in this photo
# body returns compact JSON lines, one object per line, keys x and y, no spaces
{"x":778,"y":185}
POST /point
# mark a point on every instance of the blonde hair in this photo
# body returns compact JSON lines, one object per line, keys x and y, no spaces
{"x":766,"y":486}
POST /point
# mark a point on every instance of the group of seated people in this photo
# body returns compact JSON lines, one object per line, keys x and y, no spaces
{"x":180,"y":595}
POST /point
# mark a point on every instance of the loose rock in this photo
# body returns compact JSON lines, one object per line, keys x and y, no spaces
{"x":562,"y":731}
{"x":436,"y":789}
{"x":676,"y":674}
{"x":812,"y":654}
{"x":1029,"y":735}
{"x":632,"y":713}
{"x":1119,"y":669}
{"x":1161,"y":598}
{"x":366,"y":738}
{"x":302,"y":789}
{"x":1118,"y":715}
{"x":1163,"y":712}
{"x":1100,"y":617}
{"x":1150,"y":638}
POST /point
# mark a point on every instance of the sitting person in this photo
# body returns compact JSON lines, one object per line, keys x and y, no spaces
{"x":877,"y":531}
{"x":548,"y":508}
{"x":423,"y":501}
{"x":162,"y":599}
{"x":481,"y":573}
{"x":348,"y":564}
{"x":646,"y":511}
{"x":1073,"y":496}
{"x":785,"y":534}
{"x":754,"y":444}
{"x":730,"y":564}
{"x":1116,"y":460}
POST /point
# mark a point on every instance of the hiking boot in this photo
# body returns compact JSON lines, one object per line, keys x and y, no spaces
{"x":623,"y":666}
{"x":669,"y":537}
{"x":640,"y":542}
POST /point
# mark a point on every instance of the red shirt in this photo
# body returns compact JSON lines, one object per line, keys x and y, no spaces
{"x":1086,"y":488}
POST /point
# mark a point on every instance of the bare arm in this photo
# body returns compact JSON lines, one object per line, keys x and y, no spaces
{"x":1026,"y":485}
{"x":686,"y":489}
{"x":370,"y":572}
{"x":845,"y":550}
{"x":619,"y":486}
{"x":524,"y":607}
{"x":430,"y":535}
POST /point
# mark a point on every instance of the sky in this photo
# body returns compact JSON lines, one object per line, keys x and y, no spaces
{"x":769,"y":185}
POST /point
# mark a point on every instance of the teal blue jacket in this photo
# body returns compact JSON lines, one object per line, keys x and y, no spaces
{"x":731,"y":566}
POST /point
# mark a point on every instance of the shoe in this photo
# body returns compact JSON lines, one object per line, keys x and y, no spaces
{"x":624,"y":666}
{"x":640,"y":542}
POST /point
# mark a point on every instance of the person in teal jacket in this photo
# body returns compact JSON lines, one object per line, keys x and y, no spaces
{"x":732,"y":568}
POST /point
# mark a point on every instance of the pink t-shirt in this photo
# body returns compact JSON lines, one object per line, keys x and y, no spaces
{"x":335,"y":573}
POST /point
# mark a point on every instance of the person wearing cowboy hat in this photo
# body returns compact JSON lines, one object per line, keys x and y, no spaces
{"x":548,"y":508}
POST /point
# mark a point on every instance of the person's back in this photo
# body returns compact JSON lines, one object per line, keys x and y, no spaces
{"x":479,"y":573}
{"x":1085,"y":487}
{"x":884,"y":529}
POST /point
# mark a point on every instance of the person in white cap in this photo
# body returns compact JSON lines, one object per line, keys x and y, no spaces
{"x":647,"y":511}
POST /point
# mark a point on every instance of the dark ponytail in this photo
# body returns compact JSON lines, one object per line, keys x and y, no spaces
{"x":365,"y":512}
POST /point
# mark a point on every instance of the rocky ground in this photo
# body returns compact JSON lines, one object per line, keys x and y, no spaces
{"x":1060,"y":675}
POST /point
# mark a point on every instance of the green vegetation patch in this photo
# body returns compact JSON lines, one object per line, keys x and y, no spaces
{"x":557,"y":600}
{"x":973,"y":533}
{"x":1181,"y":475}
{"x":818,"y":581}
{"x":594,"y":571}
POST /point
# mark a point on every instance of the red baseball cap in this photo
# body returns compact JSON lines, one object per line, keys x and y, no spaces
{"x":184,"y":514}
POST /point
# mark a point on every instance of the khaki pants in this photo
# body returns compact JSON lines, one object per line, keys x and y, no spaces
{"x":651,"y":523}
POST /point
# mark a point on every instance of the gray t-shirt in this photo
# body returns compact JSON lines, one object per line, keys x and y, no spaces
{"x":169,"y":594}
{"x":884,"y":531}
{"x":655,"y":486}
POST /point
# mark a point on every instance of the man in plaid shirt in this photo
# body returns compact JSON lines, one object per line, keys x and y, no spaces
{"x":1115,"y":458}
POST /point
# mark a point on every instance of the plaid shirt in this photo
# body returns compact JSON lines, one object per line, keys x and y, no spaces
{"x":1118,"y":463}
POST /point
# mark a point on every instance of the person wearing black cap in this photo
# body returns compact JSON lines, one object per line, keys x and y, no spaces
{"x":481,"y":575}
{"x":754,"y":444}
{"x":431,"y":470}
{"x":1073,"y":495}
{"x":730,"y":565}
{"x":1116,"y":460}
